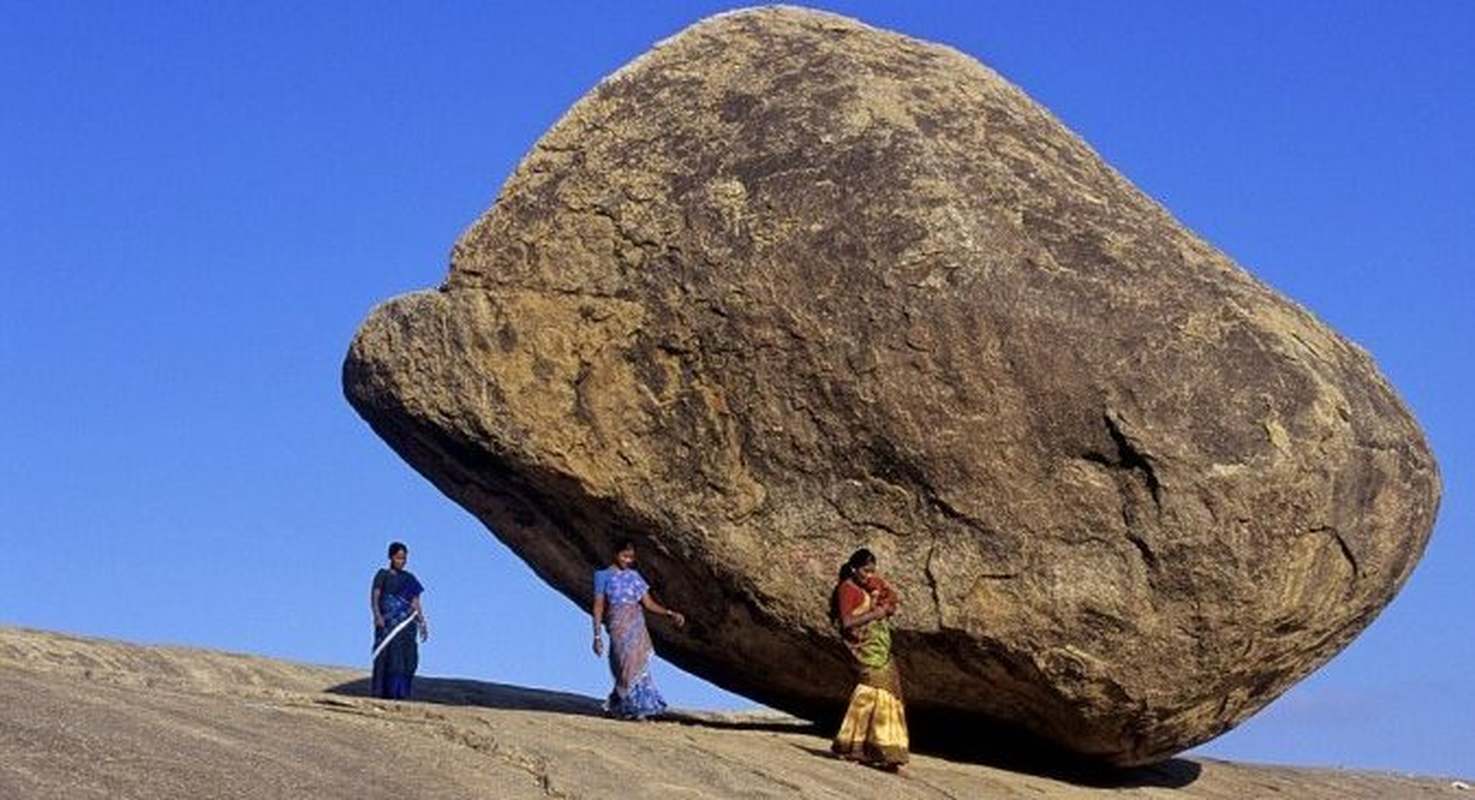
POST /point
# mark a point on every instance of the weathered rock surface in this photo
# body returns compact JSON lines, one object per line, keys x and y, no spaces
{"x":788,"y":285}
{"x":86,"y":718}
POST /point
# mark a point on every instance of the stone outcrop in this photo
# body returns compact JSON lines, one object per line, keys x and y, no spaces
{"x":788,"y":285}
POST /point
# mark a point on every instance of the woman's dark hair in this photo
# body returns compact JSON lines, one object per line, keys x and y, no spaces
{"x":395,"y":547}
{"x":858,"y":559}
{"x":621,"y":545}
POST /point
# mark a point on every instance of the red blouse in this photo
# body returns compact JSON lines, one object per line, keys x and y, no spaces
{"x":852,"y":599}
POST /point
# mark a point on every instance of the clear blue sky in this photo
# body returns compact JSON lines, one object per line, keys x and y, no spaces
{"x":199,"y":202}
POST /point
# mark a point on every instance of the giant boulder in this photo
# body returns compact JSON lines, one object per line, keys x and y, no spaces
{"x":788,"y":285}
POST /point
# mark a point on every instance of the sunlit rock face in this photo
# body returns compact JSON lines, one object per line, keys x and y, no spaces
{"x":788,"y":285}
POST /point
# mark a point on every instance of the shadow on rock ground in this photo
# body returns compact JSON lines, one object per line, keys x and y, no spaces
{"x":482,"y":694}
{"x":1000,"y":747}
{"x":1007,"y":747}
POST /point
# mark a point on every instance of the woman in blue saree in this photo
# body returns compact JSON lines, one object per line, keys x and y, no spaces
{"x":395,"y":600}
{"x":621,"y":598}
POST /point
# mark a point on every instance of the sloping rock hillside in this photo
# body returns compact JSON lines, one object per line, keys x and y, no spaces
{"x":86,"y":718}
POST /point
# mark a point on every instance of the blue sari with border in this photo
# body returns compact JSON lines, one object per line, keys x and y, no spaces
{"x":394,"y":668}
{"x":634,"y":695}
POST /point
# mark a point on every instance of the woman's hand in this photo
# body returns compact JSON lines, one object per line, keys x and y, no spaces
{"x":677,"y":617}
{"x":598,"y":645}
{"x":424,"y":630}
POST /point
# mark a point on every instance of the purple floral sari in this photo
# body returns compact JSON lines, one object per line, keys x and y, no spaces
{"x":634,"y":695}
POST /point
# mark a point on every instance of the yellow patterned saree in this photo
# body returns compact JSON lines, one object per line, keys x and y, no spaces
{"x":875,"y":727}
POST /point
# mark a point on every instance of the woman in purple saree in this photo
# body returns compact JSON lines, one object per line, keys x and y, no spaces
{"x":621,"y":598}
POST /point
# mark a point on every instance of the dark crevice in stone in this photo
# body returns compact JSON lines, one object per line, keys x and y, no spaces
{"x":932,"y":582}
{"x":1129,"y":456}
{"x":1142,"y":547}
{"x":1344,"y":547}
{"x":1130,"y":460}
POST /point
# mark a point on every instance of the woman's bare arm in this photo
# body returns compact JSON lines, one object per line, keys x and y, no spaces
{"x":654,"y":607}
{"x":877,"y":611}
{"x":598,"y":612}
{"x":862,"y":618}
{"x":420,"y":617}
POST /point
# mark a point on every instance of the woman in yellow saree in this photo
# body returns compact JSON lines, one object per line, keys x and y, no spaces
{"x":874,"y":730}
